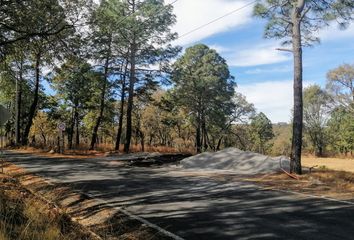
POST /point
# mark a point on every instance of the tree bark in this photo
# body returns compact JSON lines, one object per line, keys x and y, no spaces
{"x":70,"y":131}
{"x":102,"y":104}
{"x":131,"y":89}
{"x":319,"y":151}
{"x":130,"y":103}
{"x":204,"y":134}
{"x":18,"y":106}
{"x":295,"y":165}
{"x":142,"y":139}
{"x":121,"y":111}
{"x":77,"y":126}
{"x":198,"y":135}
{"x":33,"y":107}
{"x":219,"y":144}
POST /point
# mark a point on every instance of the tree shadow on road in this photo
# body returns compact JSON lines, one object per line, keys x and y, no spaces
{"x":195,"y":207}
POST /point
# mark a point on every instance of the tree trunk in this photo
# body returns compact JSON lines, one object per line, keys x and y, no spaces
{"x":150,"y":139}
{"x":77,"y":125}
{"x":71,"y":130}
{"x":102,"y":105}
{"x":219,"y":144}
{"x":319,"y":151}
{"x":130,"y":99}
{"x":142,"y":140}
{"x":298,"y":101}
{"x":198,"y":135}
{"x":121,"y":111}
{"x":18,"y":106}
{"x":33,"y":107}
{"x":44,"y":139}
{"x":131,"y":87}
{"x":204,"y":134}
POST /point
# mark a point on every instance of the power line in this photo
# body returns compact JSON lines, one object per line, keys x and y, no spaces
{"x":200,"y":27}
{"x":216,"y":19}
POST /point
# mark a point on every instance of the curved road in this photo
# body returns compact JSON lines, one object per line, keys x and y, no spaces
{"x":197,"y":207}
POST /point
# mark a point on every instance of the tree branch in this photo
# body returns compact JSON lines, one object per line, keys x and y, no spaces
{"x":284,"y":50}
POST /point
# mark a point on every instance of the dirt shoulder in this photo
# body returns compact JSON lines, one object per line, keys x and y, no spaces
{"x":73,"y":154}
{"x":141,"y":159}
{"x":23,"y":215}
{"x":323,"y":183}
{"x":97,"y":217}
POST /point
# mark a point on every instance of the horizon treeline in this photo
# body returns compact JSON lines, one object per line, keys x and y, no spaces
{"x":110,"y":73}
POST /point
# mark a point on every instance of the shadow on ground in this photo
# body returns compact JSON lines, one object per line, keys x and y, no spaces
{"x":195,"y":207}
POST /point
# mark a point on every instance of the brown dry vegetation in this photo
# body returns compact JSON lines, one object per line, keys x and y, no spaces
{"x":321,"y":182}
{"x":68,"y":154}
{"x":137,"y":148}
{"x":27,"y":217}
{"x":84,"y":153}
{"x":339,"y":164}
{"x":97,"y":218}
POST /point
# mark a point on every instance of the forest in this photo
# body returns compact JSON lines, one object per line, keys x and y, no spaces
{"x":109,"y":76}
{"x":111,"y":127}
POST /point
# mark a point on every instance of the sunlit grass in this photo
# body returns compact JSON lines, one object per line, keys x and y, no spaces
{"x":338,"y":164}
{"x":25,"y":217}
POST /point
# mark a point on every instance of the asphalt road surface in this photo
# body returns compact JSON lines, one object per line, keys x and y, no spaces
{"x":196,"y":207}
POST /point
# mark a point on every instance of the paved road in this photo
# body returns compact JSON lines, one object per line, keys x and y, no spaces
{"x":197,"y":207}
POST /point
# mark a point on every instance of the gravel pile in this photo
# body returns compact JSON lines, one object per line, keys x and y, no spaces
{"x":236,"y":160}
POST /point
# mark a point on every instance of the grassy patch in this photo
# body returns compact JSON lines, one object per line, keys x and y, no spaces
{"x":25,"y":217}
{"x":338,"y":164}
{"x":321,"y":182}
{"x":106,"y":222}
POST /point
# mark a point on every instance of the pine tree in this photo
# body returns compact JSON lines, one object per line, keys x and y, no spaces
{"x":296,"y":21}
{"x":204,"y":86}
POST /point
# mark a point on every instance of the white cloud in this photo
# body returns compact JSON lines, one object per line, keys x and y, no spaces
{"x":274,"y":98}
{"x":219,"y":49}
{"x":332,"y":32}
{"x":278,"y":69}
{"x":194,"y":13}
{"x":255,"y":55}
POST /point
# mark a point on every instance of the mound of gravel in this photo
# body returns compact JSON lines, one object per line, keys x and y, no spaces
{"x":237,"y":161}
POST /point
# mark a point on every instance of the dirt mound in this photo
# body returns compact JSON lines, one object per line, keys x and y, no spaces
{"x":236,"y":160}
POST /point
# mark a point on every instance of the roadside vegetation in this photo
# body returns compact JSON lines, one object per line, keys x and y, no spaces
{"x":109,"y":75}
{"x":321,"y":182}
{"x":86,"y":77}
{"x":27,"y":217}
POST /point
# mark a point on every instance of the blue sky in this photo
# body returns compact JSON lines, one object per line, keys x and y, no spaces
{"x":263,"y":74}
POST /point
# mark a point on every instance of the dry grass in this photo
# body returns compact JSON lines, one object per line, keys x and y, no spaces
{"x":106,"y":222}
{"x":323,"y":182}
{"x":74,"y":154}
{"x":338,"y":164}
{"x":101,"y":151}
{"x":102,"y":148}
{"x":24,"y":216}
